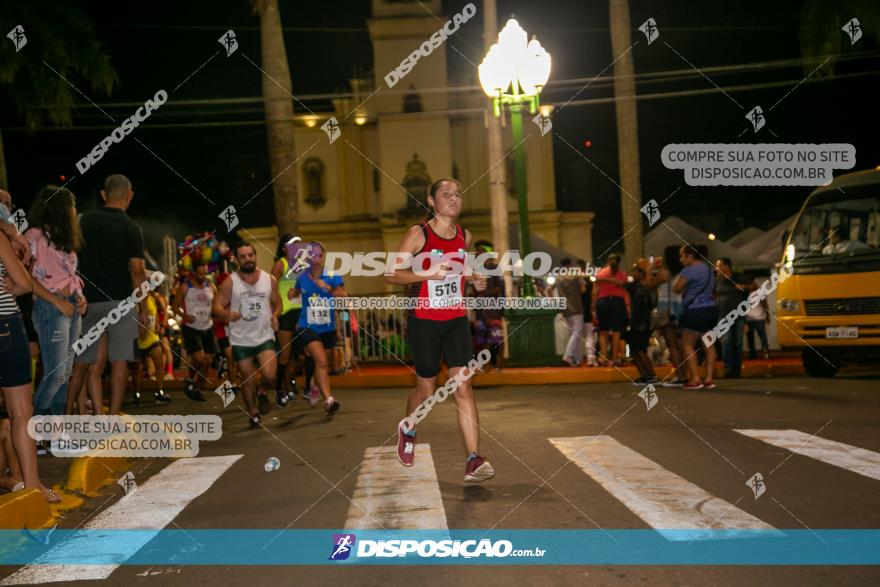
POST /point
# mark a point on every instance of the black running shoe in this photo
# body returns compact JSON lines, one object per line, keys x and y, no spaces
{"x":330,"y":406}
{"x":194,"y":394}
{"x":263,"y":403}
{"x":255,"y":421}
{"x":137,"y":399}
{"x":162,"y":397}
{"x":281,"y":398}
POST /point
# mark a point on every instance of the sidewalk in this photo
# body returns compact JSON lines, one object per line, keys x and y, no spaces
{"x":379,"y":375}
{"x":384,"y":375}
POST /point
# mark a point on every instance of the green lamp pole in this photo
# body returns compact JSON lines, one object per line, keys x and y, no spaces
{"x":513,"y":73}
{"x":527,"y":288}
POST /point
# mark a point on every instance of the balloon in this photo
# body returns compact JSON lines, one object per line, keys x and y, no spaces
{"x":187,"y":262}
{"x":215,"y":257}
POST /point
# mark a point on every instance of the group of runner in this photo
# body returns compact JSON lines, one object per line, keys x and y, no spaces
{"x":246,"y":313}
{"x":255,"y":305}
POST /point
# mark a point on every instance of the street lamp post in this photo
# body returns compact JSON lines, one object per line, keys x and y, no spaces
{"x":513,"y":73}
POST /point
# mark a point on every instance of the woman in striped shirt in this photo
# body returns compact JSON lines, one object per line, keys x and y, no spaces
{"x":15,"y":365}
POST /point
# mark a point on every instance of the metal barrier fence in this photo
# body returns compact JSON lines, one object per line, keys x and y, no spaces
{"x":374,"y":335}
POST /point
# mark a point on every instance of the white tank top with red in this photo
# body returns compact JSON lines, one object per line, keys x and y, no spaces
{"x":198,"y":302}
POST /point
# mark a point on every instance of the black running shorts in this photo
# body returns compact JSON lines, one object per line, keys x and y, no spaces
{"x":288,"y":320}
{"x":429,"y":339}
{"x":199,"y":340}
{"x":306,"y":336}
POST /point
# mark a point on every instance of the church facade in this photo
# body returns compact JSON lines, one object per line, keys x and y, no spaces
{"x":361,"y":192}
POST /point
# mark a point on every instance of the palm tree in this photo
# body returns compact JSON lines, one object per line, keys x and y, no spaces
{"x":627,"y":131}
{"x":278,"y":106}
{"x":821,"y":34}
{"x":60,"y":36}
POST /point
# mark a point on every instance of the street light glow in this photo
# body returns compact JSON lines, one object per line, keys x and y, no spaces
{"x":514,"y":64}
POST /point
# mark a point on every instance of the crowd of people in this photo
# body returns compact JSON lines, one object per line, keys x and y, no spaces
{"x":77,"y":301}
{"x":659,"y":311}
{"x":78,"y":304}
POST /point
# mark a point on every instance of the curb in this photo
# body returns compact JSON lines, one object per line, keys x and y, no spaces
{"x":24,"y":509}
{"x":29,"y":510}
{"x":87,"y":474}
{"x":556,"y":376}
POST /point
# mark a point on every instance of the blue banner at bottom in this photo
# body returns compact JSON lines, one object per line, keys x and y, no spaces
{"x":438,"y":547}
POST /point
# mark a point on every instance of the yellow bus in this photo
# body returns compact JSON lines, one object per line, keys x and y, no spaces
{"x":829,"y":306}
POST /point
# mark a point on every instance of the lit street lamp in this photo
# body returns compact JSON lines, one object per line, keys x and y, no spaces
{"x":513,"y":73}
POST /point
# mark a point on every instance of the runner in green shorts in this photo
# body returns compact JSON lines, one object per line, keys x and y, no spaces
{"x":249,"y":302}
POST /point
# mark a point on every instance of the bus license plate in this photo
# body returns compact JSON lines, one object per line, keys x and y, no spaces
{"x":842,"y":332}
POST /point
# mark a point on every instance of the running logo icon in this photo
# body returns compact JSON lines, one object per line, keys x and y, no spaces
{"x":649,"y":394}
{"x":649,"y":28}
{"x":543,"y":123}
{"x":331,"y":127}
{"x":229,"y":217}
{"x":19,"y":220}
{"x":127,"y":483}
{"x":854,"y":29}
{"x":16,"y":35}
{"x":651,"y":211}
{"x":757,"y":485}
{"x":756,"y":117}
{"x":226,"y":393}
{"x":229,"y":42}
{"x":343,"y":544}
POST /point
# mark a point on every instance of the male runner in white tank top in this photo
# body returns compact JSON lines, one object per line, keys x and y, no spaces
{"x":249,"y":302}
{"x":194,"y":298}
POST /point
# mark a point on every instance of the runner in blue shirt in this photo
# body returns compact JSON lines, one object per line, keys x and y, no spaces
{"x":316,"y":328}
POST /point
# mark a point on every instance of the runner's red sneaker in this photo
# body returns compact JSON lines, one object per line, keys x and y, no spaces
{"x":478,"y":470}
{"x":406,"y":447}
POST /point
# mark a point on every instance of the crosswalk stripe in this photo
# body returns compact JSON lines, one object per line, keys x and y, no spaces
{"x":151,"y":507}
{"x":391,"y":495}
{"x":846,"y":456}
{"x":665,"y":501}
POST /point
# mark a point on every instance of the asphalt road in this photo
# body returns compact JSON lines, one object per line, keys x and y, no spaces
{"x":687,"y":442}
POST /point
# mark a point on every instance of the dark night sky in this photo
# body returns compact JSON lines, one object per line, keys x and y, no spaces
{"x":157,"y":45}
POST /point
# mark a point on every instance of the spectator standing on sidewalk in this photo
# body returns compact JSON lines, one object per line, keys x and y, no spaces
{"x":589,"y":327}
{"x":16,"y":383}
{"x":609,"y":305}
{"x":54,"y":240}
{"x":643,"y":299}
{"x":731,"y":289}
{"x":572,"y":288}
{"x":111,"y":264}
{"x":669,"y":312}
{"x":696,"y":284}
{"x":756,"y":322}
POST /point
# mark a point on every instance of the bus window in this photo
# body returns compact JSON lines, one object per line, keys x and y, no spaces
{"x":837,"y":224}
